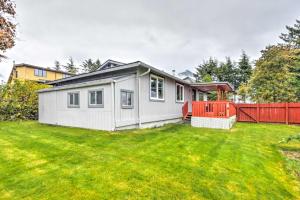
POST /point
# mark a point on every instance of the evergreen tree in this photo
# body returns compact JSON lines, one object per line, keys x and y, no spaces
{"x":227,"y":72}
{"x":292,"y":38}
{"x":206,"y":72}
{"x":70,"y":66}
{"x":57,"y":65}
{"x":90,"y":66}
{"x":273,"y":79}
{"x":244,"y":70}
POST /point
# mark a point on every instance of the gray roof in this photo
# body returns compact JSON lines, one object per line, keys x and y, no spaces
{"x":122,"y":67}
{"x":138,"y":64}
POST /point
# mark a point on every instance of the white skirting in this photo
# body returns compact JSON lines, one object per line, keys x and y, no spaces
{"x":209,"y":122}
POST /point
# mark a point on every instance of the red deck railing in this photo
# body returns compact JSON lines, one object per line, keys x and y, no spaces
{"x":216,"y":109}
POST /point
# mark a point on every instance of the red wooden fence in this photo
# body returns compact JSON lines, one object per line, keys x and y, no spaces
{"x":288,"y":113}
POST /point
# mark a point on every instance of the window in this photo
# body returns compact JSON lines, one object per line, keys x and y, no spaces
{"x":126,"y":99}
{"x":40,"y":72}
{"x":65,"y":76}
{"x":179,"y":93}
{"x":73,"y":100}
{"x":156,"y":88}
{"x":96,"y":98}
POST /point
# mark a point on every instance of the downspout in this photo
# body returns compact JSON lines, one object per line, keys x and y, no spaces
{"x":139,"y":96}
{"x":113,"y":105}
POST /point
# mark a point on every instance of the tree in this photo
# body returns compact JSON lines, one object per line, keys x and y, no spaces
{"x":244,"y":69}
{"x":292,"y":38}
{"x":70,"y":66}
{"x":273,"y":79}
{"x":227,"y":72}
{"x":90,"y":66}
{"x":57,"y":65}
{"x":7,"y":26}
{"x":206,"y":72}
{"x":19,"y":100}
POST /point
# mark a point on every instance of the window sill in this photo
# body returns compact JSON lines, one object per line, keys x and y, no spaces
{"x":73,"y":106}
{"x":157,"y":100}
{"x":96,"y":106}
{"x":127,"y":107}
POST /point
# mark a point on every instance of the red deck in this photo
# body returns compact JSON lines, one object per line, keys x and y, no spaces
{"x":288,"y":113}
{"x":216,"y":109}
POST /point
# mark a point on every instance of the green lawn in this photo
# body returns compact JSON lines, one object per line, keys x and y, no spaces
{"x":172,"y":162}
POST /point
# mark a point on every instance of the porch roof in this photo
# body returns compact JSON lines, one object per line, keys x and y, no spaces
{"x":213,"y":86}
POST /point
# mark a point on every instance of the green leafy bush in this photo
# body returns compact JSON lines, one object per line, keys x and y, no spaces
{"x":19,"y":100}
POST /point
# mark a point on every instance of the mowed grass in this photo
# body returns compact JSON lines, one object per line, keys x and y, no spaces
{"x":172,"y":162}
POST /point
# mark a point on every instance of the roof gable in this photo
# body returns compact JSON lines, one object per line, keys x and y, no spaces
{"x":110,"y":64}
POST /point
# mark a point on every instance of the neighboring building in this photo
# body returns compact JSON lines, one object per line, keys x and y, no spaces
{"x":120,"y":96}
{"x":187,"y":75}
{"x":30,"y":72}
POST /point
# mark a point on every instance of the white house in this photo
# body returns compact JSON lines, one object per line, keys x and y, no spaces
{"x":120,"y":96}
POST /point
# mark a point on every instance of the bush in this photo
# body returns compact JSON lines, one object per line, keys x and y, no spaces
{"x":19,"y":100}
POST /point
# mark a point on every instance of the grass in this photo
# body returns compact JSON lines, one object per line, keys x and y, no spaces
{"x":172,"y":162}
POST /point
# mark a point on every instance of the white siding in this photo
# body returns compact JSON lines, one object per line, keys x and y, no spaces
{"x":53,"y":109}
{"x":168,"y":109}
{"x":126,"y":116}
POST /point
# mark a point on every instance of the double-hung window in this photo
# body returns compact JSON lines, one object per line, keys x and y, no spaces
{"x":40,"y":72}
{"x":96,"y":98}
{"x":156,"y":88}
{"x":179,"y":93}
{"x":126,"y":99}
{"x":73,"y":99}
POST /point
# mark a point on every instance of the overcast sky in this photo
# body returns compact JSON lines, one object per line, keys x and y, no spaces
{"x":172,"y":34}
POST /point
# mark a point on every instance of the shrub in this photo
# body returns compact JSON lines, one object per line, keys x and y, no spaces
{"x":19,"y":100}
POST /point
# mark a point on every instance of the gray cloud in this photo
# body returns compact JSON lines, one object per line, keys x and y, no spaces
{"x":166,"y":34}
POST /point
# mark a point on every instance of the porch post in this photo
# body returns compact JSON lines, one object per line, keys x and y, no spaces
{"x":219,"y":94}
{"x":204,"y":97}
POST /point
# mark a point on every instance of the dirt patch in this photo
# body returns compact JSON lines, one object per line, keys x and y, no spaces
{"x":295,"y":155}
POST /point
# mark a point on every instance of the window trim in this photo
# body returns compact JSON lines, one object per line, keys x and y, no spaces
{"x":43,"y":72}
{"x":68,"y":96}
{"x":157,"y":78}
{"x":179,"y":101}
{"x":96,"y":105}
{"x":132,"y":100}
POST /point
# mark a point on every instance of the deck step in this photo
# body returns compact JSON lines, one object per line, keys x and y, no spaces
{"x":188,"y":117}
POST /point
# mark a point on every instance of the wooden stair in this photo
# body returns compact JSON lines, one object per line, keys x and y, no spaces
{"x":188,"y":117}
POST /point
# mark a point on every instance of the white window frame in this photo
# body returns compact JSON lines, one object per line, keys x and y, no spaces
{"x":40,"y":72}
{"x":127,"y":106}
{"x":181,"y":86}
{"x":69,"y":103}
{"x":95,"y":105}
{"x":163,"y":88}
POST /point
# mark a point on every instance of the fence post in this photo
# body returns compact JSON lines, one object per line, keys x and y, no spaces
{"x":237,"y":111}
{"x":287,"y":113}
{"x":257,"y":113}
